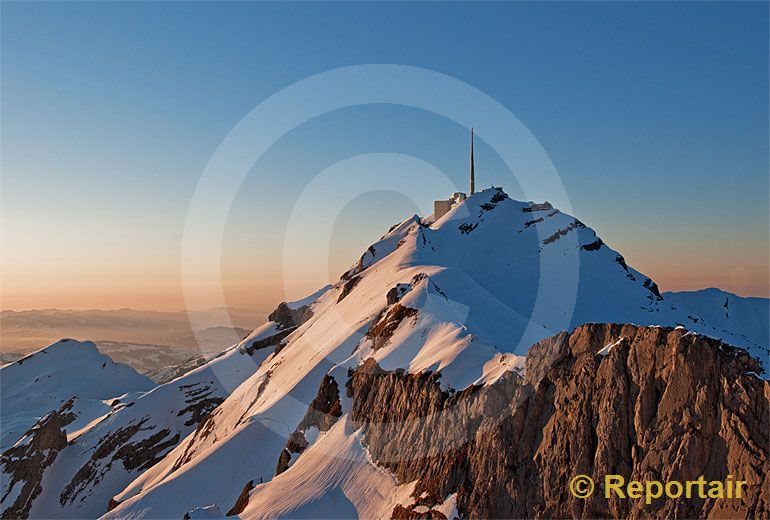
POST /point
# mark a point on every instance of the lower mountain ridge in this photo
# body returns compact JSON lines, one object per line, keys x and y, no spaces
{"x":640,"y":402}
{"x":435,"y":379}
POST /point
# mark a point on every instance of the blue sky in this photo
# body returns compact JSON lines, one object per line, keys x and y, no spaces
{"x":655,"y":116}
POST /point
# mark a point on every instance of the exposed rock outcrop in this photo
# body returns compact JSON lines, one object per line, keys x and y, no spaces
{"x":362,"y":264}
{"x":348,"y":287}
{"x":93,"y":470}
{"x":499,"y":196}
{"x":415,"y":512}
{"x":593,"y":246}
{"x":243,"y":499}
{"x":24,"y":464}
{"x":533,"y":222}
{"x":383,"y":328}
{"x":274,"y":340}
{"x":562,"y":232}
{"x":467,"y":228}
{"x":322,"y":413}
{"x":112,"y":504}
{"x":653,"y":288}
{"x":287,"y":317}
{"x":287,"y":320}
{"x":646,"y":403}
{"x":200,"y":399}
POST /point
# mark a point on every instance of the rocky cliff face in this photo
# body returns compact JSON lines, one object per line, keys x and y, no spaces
{"x":647,"y":403}
{"x":322,"y":413}
{"x":23,"y":464}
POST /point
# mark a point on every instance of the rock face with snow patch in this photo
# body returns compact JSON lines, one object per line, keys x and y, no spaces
{"x":23,"y":464}
{"x":660,"y":404}
{"x":321,"y":415}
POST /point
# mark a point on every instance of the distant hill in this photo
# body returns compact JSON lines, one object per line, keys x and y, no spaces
{"x":27,"y":331}
{"x":69,"y":374}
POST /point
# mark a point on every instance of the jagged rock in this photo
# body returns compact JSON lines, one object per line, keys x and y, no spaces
{"x":322,"y":413}
{"x":145,"y":453}
{"x":361,"y":264}
{"x":533,"y":222}
{"x":653,"y":288}
{"x":383,"y":328}
{"x":499,"y":196}
{"x":560,"y":233}
{"x":325,"y":408}
{"x":348,"y":287}
{"x":284,"y":459}
{"x":200,"y":400}
{"x":116,"y":447}
{"x":25,"y":463}
{"x":395,"y":294}
{"x":538,"y":207}
{"x":273,"y":340}
{"x":622,"y":261}
{"x":288,"y":318}
{"x":467,"y":228}
{"x":243,"y":499}
{"x":92,"y":471}
{"x":593,"y":246}
{"x":659,"y":404}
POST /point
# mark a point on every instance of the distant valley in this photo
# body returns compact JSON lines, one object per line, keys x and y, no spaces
{"x":27,"y":331}
{"x":159,"y":345}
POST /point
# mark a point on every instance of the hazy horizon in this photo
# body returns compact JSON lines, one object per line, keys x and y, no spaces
{"x":137,"y":309}
{"x":655,"y":116}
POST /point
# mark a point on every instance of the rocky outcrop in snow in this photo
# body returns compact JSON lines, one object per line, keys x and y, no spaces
{"x":661,"y":404}
{"x":24,"y":464}
{"x":322,"y":413}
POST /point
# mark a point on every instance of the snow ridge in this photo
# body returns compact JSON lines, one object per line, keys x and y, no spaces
{"x":463,"y":296}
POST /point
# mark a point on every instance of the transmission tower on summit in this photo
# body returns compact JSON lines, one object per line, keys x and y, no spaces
{"x":442,"y":207}
{"x":473,"y":173}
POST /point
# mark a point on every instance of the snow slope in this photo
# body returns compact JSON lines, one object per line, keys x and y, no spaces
{"x":132,"y":433}
{"x":337,"y":479}
{"x":465,"y":295}
{"x":45,"y":380}
{"x":734,"y":319}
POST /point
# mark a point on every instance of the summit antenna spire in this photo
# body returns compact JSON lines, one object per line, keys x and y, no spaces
{"x":473,"y":174}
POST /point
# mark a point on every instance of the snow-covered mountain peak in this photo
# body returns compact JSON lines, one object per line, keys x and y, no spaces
{"x":458,"y":301}
{"x":63,"y":347}
{"x":462,"y":298}
{"x":68,"y":370}
{"x":543,"y":269}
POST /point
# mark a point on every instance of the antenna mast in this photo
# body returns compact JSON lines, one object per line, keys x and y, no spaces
{"x":473,"y":174}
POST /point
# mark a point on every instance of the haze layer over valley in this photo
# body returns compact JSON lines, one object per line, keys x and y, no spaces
{"x":26,"y":331}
